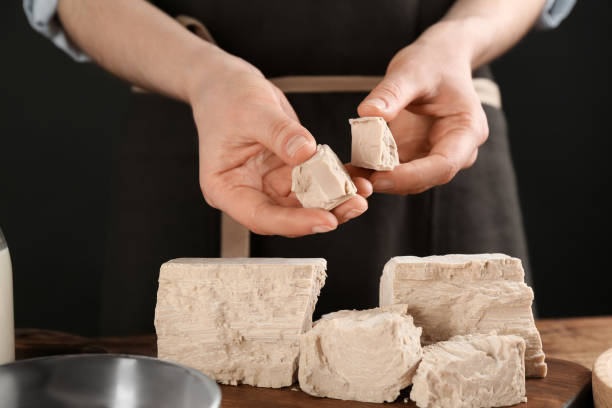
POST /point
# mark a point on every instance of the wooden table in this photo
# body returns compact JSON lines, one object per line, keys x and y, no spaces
{"x":579,"y":340}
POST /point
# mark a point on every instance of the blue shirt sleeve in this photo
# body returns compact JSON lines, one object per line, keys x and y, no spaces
{"x":42,"y":16}
{"x":553,"y":13}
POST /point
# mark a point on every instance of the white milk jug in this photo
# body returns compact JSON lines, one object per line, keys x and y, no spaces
{"x":7,"y":333}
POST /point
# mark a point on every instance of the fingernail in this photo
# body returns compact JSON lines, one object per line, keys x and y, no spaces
{"x":377,"y":103}
{"x":295,"y":144}
{"x":352,"y":214}
{"x":321,"y":228}
{"x":383,"y":184}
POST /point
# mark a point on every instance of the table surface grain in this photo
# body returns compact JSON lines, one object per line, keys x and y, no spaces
{"x":578,"y":340}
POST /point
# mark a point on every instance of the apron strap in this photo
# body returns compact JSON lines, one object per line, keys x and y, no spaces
{"x":235,"y":238}
{"x":196,"y":27}
{"x":322,"y":83}
{"x":486,"y":89}
{"x":488,"y":92}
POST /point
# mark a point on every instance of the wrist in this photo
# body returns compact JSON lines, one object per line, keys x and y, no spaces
{"x":209,"y":65}
{"x":462,"y":39}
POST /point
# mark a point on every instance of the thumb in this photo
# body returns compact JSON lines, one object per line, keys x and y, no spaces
{"x":285,"y":137}
{"x":390,"y":96}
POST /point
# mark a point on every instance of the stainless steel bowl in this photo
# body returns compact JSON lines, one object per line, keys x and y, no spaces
{"x":104,"y":380}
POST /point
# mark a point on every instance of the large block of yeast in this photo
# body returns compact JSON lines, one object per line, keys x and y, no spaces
{"x":463,"y":294}
{"x":363,"y":355}
{"x":472,"y":371}
{"x":237,"y":319}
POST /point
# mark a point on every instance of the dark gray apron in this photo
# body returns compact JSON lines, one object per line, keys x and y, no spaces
{"x":158,"y":211}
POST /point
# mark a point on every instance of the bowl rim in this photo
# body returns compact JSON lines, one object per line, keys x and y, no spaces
{"x":216,"y":397}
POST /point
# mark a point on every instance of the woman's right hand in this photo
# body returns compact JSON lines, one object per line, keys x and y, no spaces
{"x":250,"y":137}
{"x":249,"y":140}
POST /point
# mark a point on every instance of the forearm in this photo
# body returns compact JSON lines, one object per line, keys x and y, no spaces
{"x":484,"y":29}
{"x":139,"y":43}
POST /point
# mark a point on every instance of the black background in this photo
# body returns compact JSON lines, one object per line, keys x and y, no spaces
{"x":59,"y":121}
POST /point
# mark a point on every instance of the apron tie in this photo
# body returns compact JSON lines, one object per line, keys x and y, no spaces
{"x":196,"y":27}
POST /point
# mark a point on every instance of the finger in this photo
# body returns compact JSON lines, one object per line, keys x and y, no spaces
{"x":285,"y":105}
{"x":284,"y":136}
{"x":390,"y":96}
{"x":411,"y":134}
{"x":277,"y":183}
{"x":358,"y":171}
{"x":447,"y":157}
{"x":364,"y":189}
{"x":350,"y":209}
{"x":412,"y":149}
{"x":261,"y":215}
{"x":364,"y":186}
{"x":289,"y":201}
{"x":472,"y":159}
{"x":416,"y":176}
{"x":361,"y":179}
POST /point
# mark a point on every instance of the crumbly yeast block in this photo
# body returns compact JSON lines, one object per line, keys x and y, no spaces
{"x":373,"y":145}
{"x":471,"y":371}
{"x":366,"y":355}
{"x":237,"y":319}
{"x":602,"y":380}
{"x":322,"y":181}
{"x":462,"y":294}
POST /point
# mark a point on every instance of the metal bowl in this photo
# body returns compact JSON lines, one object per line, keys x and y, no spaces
{"x":104,"y":380}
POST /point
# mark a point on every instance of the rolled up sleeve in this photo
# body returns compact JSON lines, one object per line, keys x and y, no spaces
{"x":42,"y":16}
{"x":554,"y":12}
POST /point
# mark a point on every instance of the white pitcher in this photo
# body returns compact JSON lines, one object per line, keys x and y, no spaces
{"x":7,"y":331}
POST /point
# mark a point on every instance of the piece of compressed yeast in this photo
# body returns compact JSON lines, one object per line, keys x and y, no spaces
{"x":322,"y":181}
{"x":457,"y":294}
{"x":368,"y":355}
{"x":471,"y":371}
{"x":238,"y":320}
{"x":373,"y":146}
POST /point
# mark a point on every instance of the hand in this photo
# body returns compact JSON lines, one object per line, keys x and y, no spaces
{"x":249,"y":140}
{"x":433,"y":111}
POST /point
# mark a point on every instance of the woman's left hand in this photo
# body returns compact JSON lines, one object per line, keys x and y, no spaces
{"x":434,"y":113}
